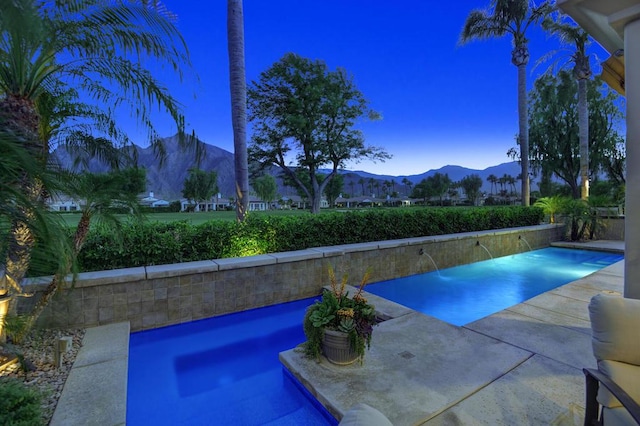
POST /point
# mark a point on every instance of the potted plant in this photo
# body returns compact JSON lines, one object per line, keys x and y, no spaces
{"x":338,"y":326}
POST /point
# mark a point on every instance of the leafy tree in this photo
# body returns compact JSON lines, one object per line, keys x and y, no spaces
{"x":571,"y":34}
{"x":238,"y":85}
{"x":512,"y":17}
{"x":200,"y":185}
{"x":433,"y":186}
{"x":613,"y":162}
{"x":305,"y":113}
{"x":471,"y":185}
{"x":266,"y":188}
{"x":420,"y":190}
{"x":99,"y":47}
{"x":334,"y":188}
{"x":438,"y":185}
{"x":555,"y":146}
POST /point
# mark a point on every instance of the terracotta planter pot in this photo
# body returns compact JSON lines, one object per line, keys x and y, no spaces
{"x":336,"y":347}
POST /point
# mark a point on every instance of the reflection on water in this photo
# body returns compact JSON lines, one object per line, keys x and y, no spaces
{"x":463,"y":294}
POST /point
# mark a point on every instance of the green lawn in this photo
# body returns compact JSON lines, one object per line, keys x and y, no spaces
{"x":194,"y":218}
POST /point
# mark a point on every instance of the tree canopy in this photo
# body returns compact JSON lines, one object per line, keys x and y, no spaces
{"x":304,"y":117}
{"x":266,"y":188}
{"x":200,"y":185}
{"x":554,"y":129}
{"x":433,"y":186}
{"x":471,"y":185}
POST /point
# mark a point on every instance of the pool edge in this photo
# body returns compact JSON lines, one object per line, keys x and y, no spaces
{"x":95,"y":392}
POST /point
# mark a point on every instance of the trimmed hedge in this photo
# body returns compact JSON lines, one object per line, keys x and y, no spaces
{"x":162,"y":243}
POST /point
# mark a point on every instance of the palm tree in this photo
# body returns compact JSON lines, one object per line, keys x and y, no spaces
{"x":16,"y":206}
{"x":361,"y":182}
{"x":511,"y":17}
{"x":238,"y":84}
{"x":352,"y":184}
{"x":100,"y":192}
{"x":512,"y":183}
{"x":406,"y":183}
{"x":577,"y":37}
{"x":371,"y":183}
{"x":95,"y":45}
{"x":492,"y":179}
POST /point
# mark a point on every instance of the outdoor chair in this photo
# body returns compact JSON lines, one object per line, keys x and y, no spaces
{"x":613,"y":389}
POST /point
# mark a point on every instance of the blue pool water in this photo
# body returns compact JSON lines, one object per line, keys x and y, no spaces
{"x":225,"y":370}
{"x":220,"y":371}
{"x":463,"y":294}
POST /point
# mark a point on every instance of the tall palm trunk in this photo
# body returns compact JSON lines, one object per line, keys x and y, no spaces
{"x":583,"y":129}
{"x":19,"y":116}
{"x":520,"y":58}
{"x":238,"y":85}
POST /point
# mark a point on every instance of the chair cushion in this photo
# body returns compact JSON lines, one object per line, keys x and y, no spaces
{"x":627,"y":376}
{"x":617,"y":417}
{"x":615,"y":323}
{"x":364,"y":415}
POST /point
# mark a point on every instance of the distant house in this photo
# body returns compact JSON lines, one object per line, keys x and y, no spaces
{"x":297,"y":202}
{"x":151,"y":201}
{"x":257,"y":205}
{"x":216,"y":203}
{"x":63,"y":204}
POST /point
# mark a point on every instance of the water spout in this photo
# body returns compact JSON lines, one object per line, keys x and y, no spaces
{"x":523,"y":239}
{"x":485,"y":249}
{"x":421,"y":252}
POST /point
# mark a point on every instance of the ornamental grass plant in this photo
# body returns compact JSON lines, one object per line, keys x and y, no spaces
{"x":354,"y":316}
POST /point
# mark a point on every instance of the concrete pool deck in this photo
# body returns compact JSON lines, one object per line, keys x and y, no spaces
{"x":522,"y":365}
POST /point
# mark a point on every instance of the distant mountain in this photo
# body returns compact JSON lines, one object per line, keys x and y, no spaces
{"x":166,"y":182}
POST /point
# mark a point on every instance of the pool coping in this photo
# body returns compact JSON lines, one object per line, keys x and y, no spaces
{"x":415,"y":373}
{"x":95,"y":392}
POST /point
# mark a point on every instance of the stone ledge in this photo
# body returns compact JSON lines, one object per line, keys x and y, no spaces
{"x":179,"y":269}
{"x":96,"y":390}
{"x":244,"y":262}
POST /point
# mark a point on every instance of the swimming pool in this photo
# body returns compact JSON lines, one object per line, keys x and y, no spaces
{"x":225,"y":370}
{"x":220,"y":371}
{"x":466,"y":293}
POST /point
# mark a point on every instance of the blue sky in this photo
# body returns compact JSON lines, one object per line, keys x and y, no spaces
{"x":441,"y":103}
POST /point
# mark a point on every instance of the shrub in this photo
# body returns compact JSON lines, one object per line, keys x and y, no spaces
{"x":161,"y":243}
{"x":19,"y":404}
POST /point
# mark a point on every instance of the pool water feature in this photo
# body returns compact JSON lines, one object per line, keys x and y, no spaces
{"x":466,"y":293}
{"x":223,"y":370}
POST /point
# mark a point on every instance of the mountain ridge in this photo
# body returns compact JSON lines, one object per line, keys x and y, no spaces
{"x":166,"y":181}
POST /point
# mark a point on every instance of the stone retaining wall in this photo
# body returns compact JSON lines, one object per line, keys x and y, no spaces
{"x":155,"y":296}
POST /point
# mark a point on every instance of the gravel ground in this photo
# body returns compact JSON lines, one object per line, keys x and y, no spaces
{"x":38,"y":353}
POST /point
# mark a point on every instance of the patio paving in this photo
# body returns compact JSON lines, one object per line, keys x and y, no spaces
{"x":519,"y":366}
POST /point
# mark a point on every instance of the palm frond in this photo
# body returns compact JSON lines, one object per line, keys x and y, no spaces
{"x":480,"y":25}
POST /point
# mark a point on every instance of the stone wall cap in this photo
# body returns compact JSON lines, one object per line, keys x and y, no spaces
{"x":244,"y":262}
{"x":178,"y":269}
{"x":112,"y":276}
{"x":298,"y":255}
